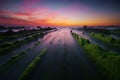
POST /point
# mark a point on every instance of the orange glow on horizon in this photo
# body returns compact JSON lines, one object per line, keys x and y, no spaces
{"x":47,"y":17}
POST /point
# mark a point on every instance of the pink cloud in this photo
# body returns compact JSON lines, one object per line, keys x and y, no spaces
{"x":5,"y":12}
{"x":14,"y":14}
{"x":22,"y":14}
{"x":41,"y":15}
{"x":16,"y":21}
{"x":10,"y":17}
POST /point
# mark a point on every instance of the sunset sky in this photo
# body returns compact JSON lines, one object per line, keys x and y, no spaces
{"x":60,"y":12}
